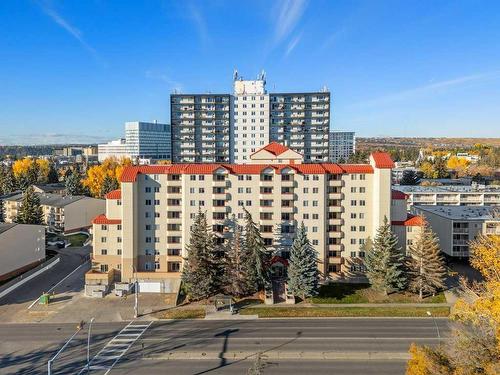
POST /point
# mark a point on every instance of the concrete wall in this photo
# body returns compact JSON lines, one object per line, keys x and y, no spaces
{"x":79,"y":214}
{"x":21,"y":245}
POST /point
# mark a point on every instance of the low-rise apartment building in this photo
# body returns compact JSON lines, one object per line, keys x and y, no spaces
{"x":22,"y":247}
{"x":61,"y":213}
{"x":405,"y":226}
{"x":451,"y":195}
{"x":147,"y":222}
{"x":456,"y":226}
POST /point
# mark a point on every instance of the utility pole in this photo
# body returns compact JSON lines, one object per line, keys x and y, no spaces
{"x":136,"y":292}
{"x":88,"y":345}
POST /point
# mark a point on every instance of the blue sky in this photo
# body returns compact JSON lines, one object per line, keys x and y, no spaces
{"x":75,"y":71}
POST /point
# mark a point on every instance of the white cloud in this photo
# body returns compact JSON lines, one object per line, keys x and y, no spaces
{"x":289,"y":13}
{"x":200,"y":23}
{"x":429,"y":88}
{"x":174,"y":85}
{"x":292,"y":44}
{"x":68,"y":27}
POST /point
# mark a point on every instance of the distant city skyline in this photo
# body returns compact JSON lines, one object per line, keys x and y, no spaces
{"x":75,"y":72}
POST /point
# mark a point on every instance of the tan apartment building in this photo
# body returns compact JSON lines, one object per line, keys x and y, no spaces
{"x":61,"y":213}
{"x":456,"y":226}
{"x":405,"y":226}
{"x":147,"y":223}
{"x":22,"y":247}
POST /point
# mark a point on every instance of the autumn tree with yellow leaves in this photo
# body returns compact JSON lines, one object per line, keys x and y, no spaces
{"x":29,"y":171}
{"x":111,"y":168}
{"x":459,"y":165}
{"x":474,"y":345}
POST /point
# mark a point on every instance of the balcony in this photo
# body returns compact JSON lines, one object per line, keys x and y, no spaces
{"x":335,"y":260}
{"x":335,"y":247}
{"x":224,"y":209}
{"x":335,"y":221}
{"x":336,"y":235}
{"x":220,"y":183}
{"x":336,"y":183}
{"x":335,"y":209}
{"x":336,"y":196}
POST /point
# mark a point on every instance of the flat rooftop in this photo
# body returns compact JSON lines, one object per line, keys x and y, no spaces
{"x":446,"y":189}
{"x":49,"y":199}
{"x":4,"y":227}
{"x":460,"y":212}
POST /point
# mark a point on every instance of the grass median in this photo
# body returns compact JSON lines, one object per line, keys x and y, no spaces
{"x":325,"y":312}
{"x":176,"y":313}
{"x":340,"y":293}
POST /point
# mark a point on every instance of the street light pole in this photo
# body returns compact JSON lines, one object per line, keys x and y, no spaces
{"x":88,"y":345}
{"x":136,"y":293}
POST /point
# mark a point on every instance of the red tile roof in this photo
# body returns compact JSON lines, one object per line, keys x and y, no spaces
{"x":274,"y":148}
{"x":130,"y":173}
{"x":102,"y":219}
{"x":382,"y":160}
{"x":115,"y":194}
{"x":411,"y":221}
{"x":398,"y":195}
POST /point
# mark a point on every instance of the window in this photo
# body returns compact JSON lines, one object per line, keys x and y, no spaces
{"x":241,"y":177}
{"x":362,"y":203}
{"x":104,"y":252}
{"x":174,"y":252}
{"x":353,"y":215}
{"x":361,"y":215}
{"x":119,"y":227}
{"x":192,"y":190}
{"x":315,"y":216}
{"x":147,"y":214}
{"x":104,"y":227}
{"x":173,"y":266}
{"x":157,"y":189}
{"x":192,"y":177}
{"x":353,"y":254}
{"x":353,"y":177}
{"x":315,"y":203}
{"x":362,"y":228}
{"x":201,"y":177}
{"x":104,"y":268}
{"x":119,"y":251}
{"x":157,"y":265}
{"x":148,"y":239}
{"x":118,"y":239}
{"x":305,"y":203}
{"x":315,"y":242}
{"x":157,"y":214}
{"x":157,"y":202}
{"x":315,"y":229}
{"x":315,"y":177}
{"x":103,"y":239}
{"x":148,"y":202}
{"x":147,"y":189}
{"x":353,"y":203}
{"x":362,"y":177}
{"x":353,"y":241}
{"x":306,"y":190}
{"x":353,"y":189}
{"x":362,"y":190}
{"x":157,"y":239}
{"x":305,"y":216}
{"x":353,"y":228}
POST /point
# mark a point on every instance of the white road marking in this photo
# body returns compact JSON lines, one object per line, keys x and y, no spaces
{"x":115,"y":349}
{"x":51,"y":289}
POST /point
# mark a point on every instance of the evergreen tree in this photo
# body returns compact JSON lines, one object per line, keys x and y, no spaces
{"x":74,"y":184}
{"x":257,"y":257}
{"x":33,"y":175}
{"x":109,"y":184}
{"x":385,"y":266}
{"x":235,"y":273}
{"x":9,"y":183}
{"x":440,"y":168}
{"x":52,"y":176}
{"x":2,"y":212}
{"x":201,"y":271}
{"x":410,"y":177}
{"x":303,"y":274}
{"x":425,"y":264}
{"x":30,"y":211}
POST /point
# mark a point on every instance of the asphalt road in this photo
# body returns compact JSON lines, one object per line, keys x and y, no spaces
{"x":293,"y":346}
{"x":22,"y":297}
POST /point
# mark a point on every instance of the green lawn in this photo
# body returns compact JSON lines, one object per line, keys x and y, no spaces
{"x":182,"y":313}
{"x":338,"y":311}
{"x":342,"y":293}
{"x":77,"y":239}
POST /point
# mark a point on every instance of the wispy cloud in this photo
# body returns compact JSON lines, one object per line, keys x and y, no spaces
{"x":51,"y":138}
{"x":49,"y":10}
{"x":200,"y":23}
{"x":336,"y":35}
{"x":289,"y":13}
{"x":292,"y":44}
{"x":430,"y":88}
{"x":172,"y":84}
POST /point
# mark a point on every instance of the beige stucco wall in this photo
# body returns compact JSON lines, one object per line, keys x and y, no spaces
{"x":79,"y":214}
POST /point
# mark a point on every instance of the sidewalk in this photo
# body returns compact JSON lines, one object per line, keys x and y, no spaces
{"x":340,"y":305}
